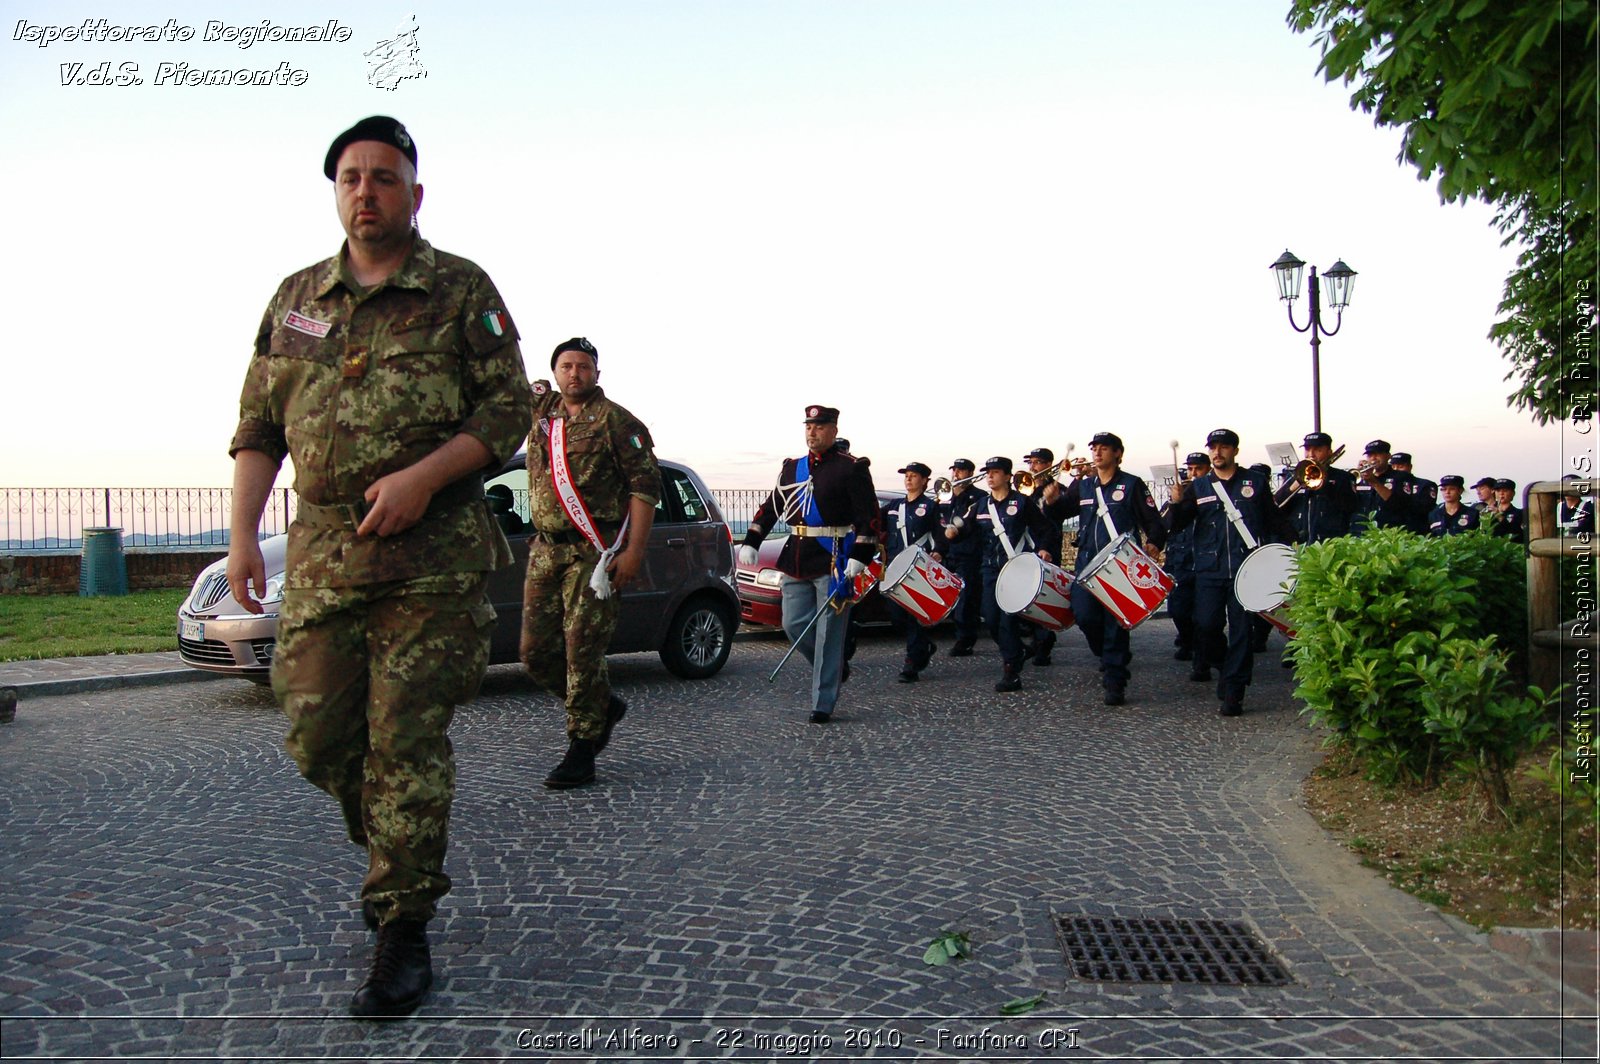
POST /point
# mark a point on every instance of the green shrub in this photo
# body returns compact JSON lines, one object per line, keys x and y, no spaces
{"x":1402,"y":647}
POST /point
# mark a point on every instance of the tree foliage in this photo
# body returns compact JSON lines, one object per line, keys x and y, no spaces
{"x":1498,"y":99}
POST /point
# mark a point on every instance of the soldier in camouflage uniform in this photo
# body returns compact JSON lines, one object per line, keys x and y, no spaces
{"x":567,"y":622}
{"x":390,"y":373}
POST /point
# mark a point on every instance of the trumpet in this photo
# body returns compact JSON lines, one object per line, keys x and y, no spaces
{"x":1028,"y":482}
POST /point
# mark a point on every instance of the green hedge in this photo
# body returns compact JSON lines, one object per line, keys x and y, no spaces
{"x":1407,"y":647}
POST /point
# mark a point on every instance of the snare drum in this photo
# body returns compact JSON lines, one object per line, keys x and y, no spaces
{"x":1265,"y":583}
{"x":1036,"y":590}
{"x":1127,"y":581}
{"x":924,"y":588}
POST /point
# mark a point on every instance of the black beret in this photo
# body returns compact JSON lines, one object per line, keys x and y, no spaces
{"x":1317,"y":439}
{"x":998,"y":462}
{"x":1044,"y":454}
{"x":1108,"y":439}
{"x":1197,"y":458}
{"x":916,"y":467}
{"x":821,"y":415}
{"x":577,"y":343}
{"x":1227,"y":436}
{"x":380,"y":128}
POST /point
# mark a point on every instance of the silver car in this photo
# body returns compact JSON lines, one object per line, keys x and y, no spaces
{"x":683,"y":606}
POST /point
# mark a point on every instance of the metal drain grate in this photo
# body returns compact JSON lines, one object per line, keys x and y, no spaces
{"x":1167,"y":950}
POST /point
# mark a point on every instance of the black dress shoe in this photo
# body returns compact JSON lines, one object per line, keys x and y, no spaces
{"x":1232,"y":707}
{"x":962,"y":649}
{"x":1010,"y":680}
{"x":576,"y":769}
{"x":1042,"y":660}
{"x":819,"y":717}
{"x":401,"y":973}
{"x":1183,"y":654}
{"x":1115,"y":696}
{"x":1200,"y":675}
{"x":908,"y":675}
{"x":616,"y":709}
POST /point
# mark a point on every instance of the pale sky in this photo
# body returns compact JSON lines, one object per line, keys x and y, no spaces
{"x":976,"y":228}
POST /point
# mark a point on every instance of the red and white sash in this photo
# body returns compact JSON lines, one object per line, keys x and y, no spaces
{"x":578,"y":513}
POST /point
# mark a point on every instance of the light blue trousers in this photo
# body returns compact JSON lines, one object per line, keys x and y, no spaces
{"x":800,"y":601}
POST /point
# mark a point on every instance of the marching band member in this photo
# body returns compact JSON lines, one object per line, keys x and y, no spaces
{"x":964,"y":555}
{"x":1485,"y":504}
{"x":1038,"y":461}
{"x":1232,"y":513}
{"x":1508,"y":516}
{"x":1424,"y":492}
{"x":1451,"y":518}
{"x":1005,"y":525}
{"x":1179,"y":564}
{"x":1326,"y":512}
{"x":1575,"y":515}
{"x":828,"y":499}
{"x":1384,"y":498}
{"x":912,"y":522}
{"x":1110,"y":502}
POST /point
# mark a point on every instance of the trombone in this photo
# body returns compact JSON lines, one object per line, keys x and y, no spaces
{"x":1309,"y":475}
{"x":944,"y":487}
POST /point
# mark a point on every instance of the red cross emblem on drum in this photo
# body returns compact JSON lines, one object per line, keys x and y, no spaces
{"x":1127,"y":581}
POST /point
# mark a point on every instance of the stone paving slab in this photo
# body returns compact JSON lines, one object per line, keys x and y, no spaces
{"x":738,"y":884}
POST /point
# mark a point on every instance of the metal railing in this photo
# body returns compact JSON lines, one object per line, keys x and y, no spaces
{"x":53,"y":519}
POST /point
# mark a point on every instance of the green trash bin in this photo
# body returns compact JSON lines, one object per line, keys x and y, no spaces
{"x":103,"y":570}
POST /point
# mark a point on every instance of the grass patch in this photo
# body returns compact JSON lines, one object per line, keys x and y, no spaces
{"x":68,"y":626}
{"x":1442,"y":845}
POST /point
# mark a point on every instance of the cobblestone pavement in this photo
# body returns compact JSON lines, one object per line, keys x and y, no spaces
{"x":738,"y":883}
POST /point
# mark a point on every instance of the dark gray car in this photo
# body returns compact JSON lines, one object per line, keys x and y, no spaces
{"x":683,"y":605}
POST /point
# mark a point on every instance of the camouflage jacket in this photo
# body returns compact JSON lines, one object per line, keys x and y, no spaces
{"x":354,"y":384}
{"x":609,"y":451}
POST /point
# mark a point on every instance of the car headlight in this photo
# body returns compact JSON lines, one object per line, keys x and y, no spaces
{"x":274,"y":591}
{"x":769,"y":578}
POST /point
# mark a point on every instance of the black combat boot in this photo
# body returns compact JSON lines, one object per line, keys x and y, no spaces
{"x":963,"y":648}
{"x":616,"y":709}
{"x":577,"y":768}
{"x":401,"y":974}
{"x":908,"y":671}
{"x":1010,"y":680}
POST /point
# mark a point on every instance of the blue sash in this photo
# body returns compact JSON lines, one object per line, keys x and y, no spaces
{"x":838,"y":548}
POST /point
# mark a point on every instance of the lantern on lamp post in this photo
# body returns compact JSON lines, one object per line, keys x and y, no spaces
{"x":1341,"y":279}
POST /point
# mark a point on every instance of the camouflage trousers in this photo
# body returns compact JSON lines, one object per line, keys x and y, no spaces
{"x":565,"y":632}
{"x":369,"y":678}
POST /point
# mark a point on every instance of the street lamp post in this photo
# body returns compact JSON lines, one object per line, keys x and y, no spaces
{"x":1341,"y":279}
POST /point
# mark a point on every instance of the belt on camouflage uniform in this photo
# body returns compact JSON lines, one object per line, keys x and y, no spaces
{"x":814,"y":531}
{"x":570,"y":536}
{"x":350,"y":515}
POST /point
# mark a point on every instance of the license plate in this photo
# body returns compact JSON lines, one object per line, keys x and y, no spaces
{"x":194,"y":631}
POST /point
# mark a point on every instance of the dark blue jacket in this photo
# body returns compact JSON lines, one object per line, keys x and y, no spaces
{"x":1219,"y":549}
{"x":922,"y":519}
{"x":1442,"y":524}
{"x":1131,"y":508}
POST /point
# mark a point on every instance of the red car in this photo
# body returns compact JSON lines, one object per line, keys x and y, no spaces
{"x":760,"y":601}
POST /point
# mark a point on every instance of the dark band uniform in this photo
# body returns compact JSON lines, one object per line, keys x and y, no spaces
{"x":1219,"y":550}
{"x":1132,"y":509}
{"x":1179,"y":564}
{"x":964,"y":557}
{"x":1575,"y":520}
{"x":1510,"y":521}
{"x":1441,"y":522}
{"x":1402,"y":509}
{"x":1326,"y":512}
{"x":907,"y":524}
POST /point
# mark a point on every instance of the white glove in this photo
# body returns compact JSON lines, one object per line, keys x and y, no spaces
{"x":747,"y":556}
{"x":854,"y":568}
